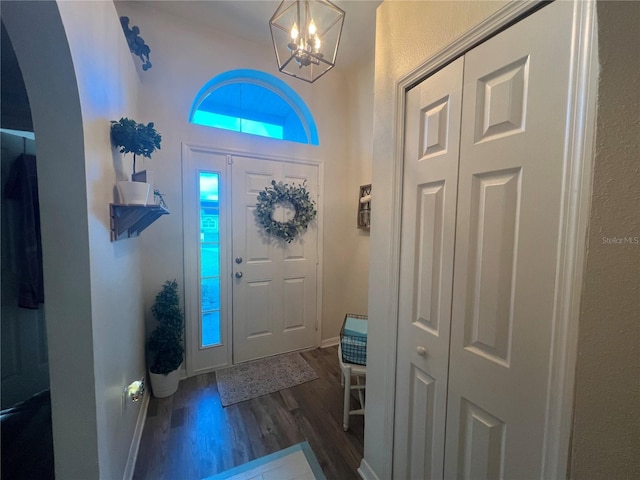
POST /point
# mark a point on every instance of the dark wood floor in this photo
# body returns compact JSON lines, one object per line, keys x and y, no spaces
{"x":191,"y":436}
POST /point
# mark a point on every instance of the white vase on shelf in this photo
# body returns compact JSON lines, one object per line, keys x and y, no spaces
{"x":134,"y":193}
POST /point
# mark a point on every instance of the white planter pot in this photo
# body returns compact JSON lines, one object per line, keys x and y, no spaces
{"x":134,"y":193}
{"x":165,"y":385}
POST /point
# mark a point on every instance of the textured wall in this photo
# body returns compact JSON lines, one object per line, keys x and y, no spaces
{"x":407,"y":34}
{"x":606,"y":433}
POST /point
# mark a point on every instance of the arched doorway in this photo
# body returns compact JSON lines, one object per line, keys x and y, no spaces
{"x":45,"y":60}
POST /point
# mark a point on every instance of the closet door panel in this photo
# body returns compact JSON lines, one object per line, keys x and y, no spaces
{"x":512,"y":161}
{"x":432,"y":141}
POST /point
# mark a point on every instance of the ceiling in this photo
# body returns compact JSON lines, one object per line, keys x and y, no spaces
{"x":250,"y":19}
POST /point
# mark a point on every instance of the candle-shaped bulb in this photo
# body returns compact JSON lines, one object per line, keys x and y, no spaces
{"x":312,"y":28}
{"x":294,"y":32}
{"x":316,"y":43}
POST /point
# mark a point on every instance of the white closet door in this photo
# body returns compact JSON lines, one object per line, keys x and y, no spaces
{"x":433,"y":112}
{"x":512,"y":161}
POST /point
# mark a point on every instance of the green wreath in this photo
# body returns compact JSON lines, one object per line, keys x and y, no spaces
{"x":298,"y":197}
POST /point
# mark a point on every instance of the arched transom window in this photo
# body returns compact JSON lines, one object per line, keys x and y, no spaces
{"x":254,"y":102}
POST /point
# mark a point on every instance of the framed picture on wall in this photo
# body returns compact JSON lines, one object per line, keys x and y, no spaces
{"x":364,"y":207}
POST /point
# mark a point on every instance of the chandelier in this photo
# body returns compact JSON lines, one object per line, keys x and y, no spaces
{"x":306,"y":35}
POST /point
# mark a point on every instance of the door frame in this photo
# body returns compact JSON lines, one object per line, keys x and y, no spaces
{"x":191,"y":307}
{"x":573,"y":229}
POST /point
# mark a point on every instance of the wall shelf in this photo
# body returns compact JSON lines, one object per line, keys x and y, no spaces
{"x":129,"y":220}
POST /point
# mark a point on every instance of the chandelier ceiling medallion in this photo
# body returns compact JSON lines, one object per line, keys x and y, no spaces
{"x":306,"y":35}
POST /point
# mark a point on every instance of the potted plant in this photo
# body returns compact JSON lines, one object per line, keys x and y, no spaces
{"x":165,"y":342}
{"x":140,"y":139}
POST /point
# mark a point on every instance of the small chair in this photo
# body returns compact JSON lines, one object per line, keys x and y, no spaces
{"x":351,"y":370}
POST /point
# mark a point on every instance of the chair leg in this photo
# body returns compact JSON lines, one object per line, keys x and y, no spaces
{"x":346,"y":373}
{"x":360,"y":391}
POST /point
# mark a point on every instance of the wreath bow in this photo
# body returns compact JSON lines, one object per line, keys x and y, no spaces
{"x":282,"y":193}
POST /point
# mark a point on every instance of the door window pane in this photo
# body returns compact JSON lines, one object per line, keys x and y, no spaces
{"x":209,"y":259}
{"x":211,"y":328}
{"x":209,"y":255}
{"x":210,"y":294}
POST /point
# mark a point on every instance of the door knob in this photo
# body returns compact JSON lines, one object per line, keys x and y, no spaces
{"x":421,"y":351}
{"x":238,"y":260}
{"x":238,"y":274}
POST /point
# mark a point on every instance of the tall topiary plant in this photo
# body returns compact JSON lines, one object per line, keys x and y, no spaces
{"x":165,"y":341}
{"x":133,"y":137}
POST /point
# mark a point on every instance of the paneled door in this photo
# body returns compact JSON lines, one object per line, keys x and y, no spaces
{"x":274,"y":282}
{"x":428,"y":233}
{"x":512,"y":162}
{"x":494,"y":331}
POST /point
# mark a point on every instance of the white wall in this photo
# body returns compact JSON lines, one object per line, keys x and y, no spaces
{"x":606,"y":431}
{"x":407,"y":34}
{"x":79,"y":75}
{"x":108,"y":87}
{"x":185,"y":56}
{"x":360,"y":151}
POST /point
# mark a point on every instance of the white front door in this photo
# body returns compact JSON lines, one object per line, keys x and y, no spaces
{"x":428,"y":233}
{"x":274,"y":282}
{"x":247,"y":295}
{"x":494,"y":331}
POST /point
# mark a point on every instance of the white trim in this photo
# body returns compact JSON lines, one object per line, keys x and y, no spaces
{"x":573,"y":246}
{"x":188,"y":258}
{"x":229,"y":242}
{"x":391,"y":333}
{"x":365,"y":471}
{"x":330,"y":342}
{"x":242,"y":153}
{"x":500,"y":20}
{"x":320,"y":247}
{"x":137,"y":436}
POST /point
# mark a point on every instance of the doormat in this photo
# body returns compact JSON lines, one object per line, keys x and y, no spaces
{"x":267,"y":375}
{"x":296,"y":462}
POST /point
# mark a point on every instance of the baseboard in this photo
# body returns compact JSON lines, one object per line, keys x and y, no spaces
{"x":137,"y":436}
{"x":330,"y":342}
{"x":365,"y":471}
